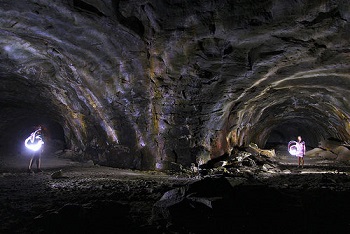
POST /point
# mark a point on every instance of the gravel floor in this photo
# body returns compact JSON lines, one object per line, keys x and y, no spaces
{"x":110,"y":200}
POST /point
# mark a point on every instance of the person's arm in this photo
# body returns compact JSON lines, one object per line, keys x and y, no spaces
{"x":304,"y":148}
{"x":32,"y":137}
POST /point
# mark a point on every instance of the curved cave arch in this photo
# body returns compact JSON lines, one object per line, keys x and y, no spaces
{"x":312,"y":123}
{"x":304,"y":103}
{"x":170,"y":85}
{"x":289,"y":130}
{"x":87,"y":82}
{"x":174,"y":89}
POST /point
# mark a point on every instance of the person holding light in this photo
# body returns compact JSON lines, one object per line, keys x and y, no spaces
{"x":300,"y":151}
{"x":35,"y":143}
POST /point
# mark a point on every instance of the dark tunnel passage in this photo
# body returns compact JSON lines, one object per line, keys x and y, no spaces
{"x":14,"y":134}
{"x":24,"y":106}
{"x":285,"y":132}
{"x":53,"y":135}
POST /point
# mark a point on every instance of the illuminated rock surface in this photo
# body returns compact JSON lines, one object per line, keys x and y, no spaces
{"x":139,"y":84}
{"x":171,"y":84}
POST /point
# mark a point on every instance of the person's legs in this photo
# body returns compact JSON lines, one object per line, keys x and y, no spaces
{"x":38,"y":163}
{"x":32,"y":159}
{"x":31,"y":162}
{"x":302,"y":161}
{"x":37,"y":159}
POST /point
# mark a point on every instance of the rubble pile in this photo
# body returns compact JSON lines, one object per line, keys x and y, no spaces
{"x":285,"y":203}
{"x":249,"y":160}
{"x":331,"y":149}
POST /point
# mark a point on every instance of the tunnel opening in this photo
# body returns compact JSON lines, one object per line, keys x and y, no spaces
{"x":281,"y":121}
{"x":53,"y":134}
{"x":26,"y":104}
{"x":281,"y":134}
{"x":12,"y":142}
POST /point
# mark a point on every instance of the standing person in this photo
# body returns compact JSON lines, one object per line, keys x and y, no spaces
{"x":36,"y":140}
{"x":300,"y":145}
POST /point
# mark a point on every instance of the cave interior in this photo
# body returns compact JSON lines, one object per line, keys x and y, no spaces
{"x":157,"y":85}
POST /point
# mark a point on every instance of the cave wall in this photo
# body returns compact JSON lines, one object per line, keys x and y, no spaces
{"x":140,"y":84}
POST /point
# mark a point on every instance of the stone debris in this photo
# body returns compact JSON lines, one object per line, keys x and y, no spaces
{"x":229,"y":199}
{"x":248,"y":161}
{"x":221,"y":204}
{"x":57,"y":174}
{"x":314,"y":152}
{"x":196,"y":203}
{"x":332,"y":150}
{"x":255,"y":150}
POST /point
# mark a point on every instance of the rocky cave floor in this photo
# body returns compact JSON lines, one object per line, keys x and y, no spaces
{"x":87,"y":198}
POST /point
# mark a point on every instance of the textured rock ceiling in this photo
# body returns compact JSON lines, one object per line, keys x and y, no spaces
{"x":141,"y":83}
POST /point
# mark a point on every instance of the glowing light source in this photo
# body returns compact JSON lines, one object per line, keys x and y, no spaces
{"x":292,"y":148}
{"x":33,"y":142}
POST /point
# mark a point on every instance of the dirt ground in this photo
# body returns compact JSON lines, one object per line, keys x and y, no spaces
{"x":109,"y":200}
{"x":25,"y":196}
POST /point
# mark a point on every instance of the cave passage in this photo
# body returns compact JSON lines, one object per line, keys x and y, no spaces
{"x":175,"y":116}
{"x":147,"y":86}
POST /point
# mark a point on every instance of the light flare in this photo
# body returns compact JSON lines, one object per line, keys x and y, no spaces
{"x":292,"y":148}
{"x":33,"y":142}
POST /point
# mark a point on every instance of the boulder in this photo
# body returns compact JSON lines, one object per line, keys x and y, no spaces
{"x":268,"y":153}
{"x":332,"y":150}
{"x":343,"y":153}
{"x":57,"y":174}
{"x":225,"y":205}
{"x":340,"y":150}
{"x":314,"y":152}
{"x":329,"y":144}
{"x":193,"y":206}
{"x":327,"y":155}
{"x":255,"y":150}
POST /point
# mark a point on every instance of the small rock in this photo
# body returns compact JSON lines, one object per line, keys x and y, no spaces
{"x":220,"y":164}
{"x":57,"y":174}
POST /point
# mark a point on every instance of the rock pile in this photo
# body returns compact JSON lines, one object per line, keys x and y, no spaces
{"x":331,"y":149}
{"x":196,"y":206}
{"x":247,"y":160}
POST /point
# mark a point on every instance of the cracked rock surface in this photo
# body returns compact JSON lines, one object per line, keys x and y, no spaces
{"x":141,"y":84}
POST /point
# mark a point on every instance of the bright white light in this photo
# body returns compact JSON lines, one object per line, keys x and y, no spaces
{"x":158,"y":165}
{"x":142,"y":144}
{"x":292,"y":148}
{"x":33,"y":143}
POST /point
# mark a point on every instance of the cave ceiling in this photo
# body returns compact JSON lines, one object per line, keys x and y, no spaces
{"x":142,"y":82}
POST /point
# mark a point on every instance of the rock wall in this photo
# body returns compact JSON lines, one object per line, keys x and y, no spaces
{"x":140,"y":84}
